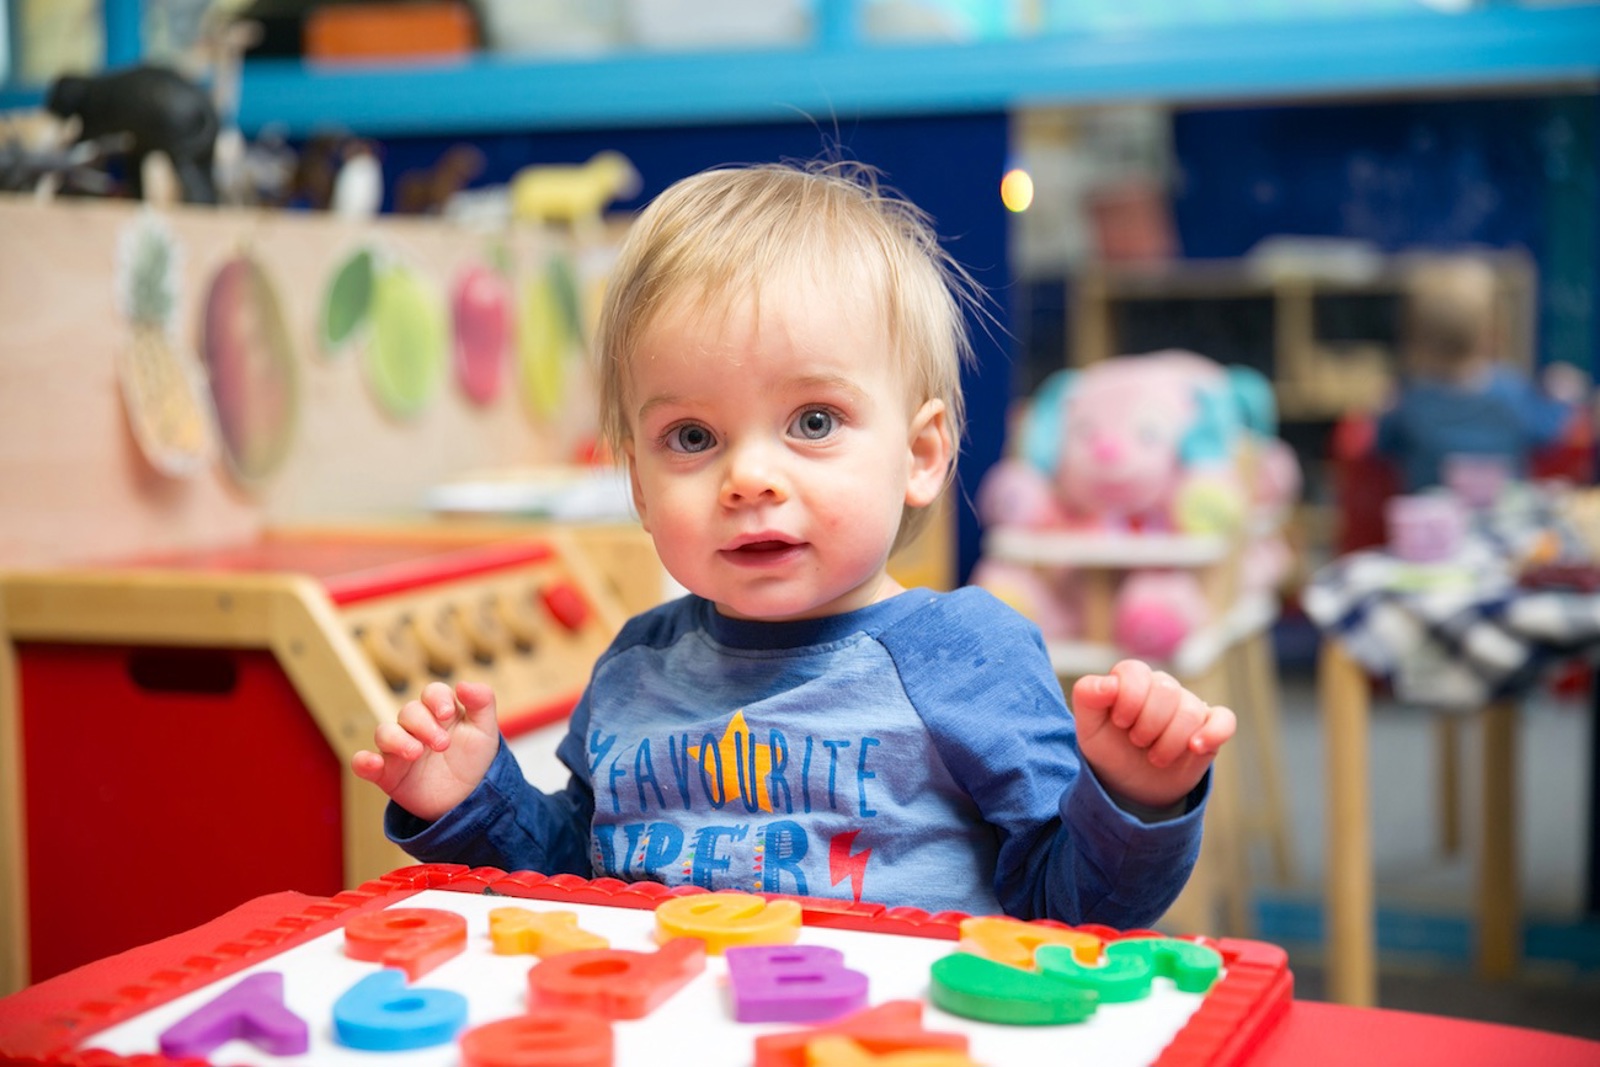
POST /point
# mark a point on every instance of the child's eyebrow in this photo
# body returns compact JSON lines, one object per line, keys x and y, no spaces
{"x":657,"y":401}
{"x":827,"y":382}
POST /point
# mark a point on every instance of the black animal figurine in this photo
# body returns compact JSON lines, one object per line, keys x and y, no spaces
{"x":159,"y":109}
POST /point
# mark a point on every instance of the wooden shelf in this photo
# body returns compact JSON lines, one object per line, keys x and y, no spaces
{"x":1425,"y":51}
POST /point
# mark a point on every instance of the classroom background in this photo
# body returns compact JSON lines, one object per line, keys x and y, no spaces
{"x":295,"y":416}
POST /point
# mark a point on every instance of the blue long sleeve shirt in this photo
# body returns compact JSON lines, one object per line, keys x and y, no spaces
{"x":1500,"y":414}
{"x":915,"y":752}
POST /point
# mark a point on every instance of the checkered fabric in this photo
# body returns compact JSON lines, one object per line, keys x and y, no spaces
{"x":1460,"y":633}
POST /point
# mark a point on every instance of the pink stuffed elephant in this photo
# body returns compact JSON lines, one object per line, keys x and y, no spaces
{"x":1169,"y":442}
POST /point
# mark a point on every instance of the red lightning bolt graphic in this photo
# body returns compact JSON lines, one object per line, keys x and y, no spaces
{"x":842,"y":864}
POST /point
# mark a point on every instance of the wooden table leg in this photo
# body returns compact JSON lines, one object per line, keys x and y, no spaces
{"x":1499,"y":903}
{"x":1350,"y":935}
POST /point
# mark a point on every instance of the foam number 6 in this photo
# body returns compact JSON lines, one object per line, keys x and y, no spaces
{"x":381,"y":1013}
{"x":1131,"y":965}
{"x":976,"y":988}
{"x":613,"y":982}
{"x":416,"y":940}
{"x":540,"y":1039}
{"x":723,"y":920}
{"x":792,"y":983}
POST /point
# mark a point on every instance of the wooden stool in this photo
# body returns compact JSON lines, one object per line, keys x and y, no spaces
{"x":1344,"y":691}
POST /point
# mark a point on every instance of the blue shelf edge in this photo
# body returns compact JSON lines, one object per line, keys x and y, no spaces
{"x":1428,"y":51}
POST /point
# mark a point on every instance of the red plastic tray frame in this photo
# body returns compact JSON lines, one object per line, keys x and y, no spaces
{"x":1255,"y":991}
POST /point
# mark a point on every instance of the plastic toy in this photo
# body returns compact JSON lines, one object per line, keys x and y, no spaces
{"x":381,"y":1013}
{"x":575,"y":194}
{"x":162,"y":111}
{"x":1170,"y":443}
{"x":253,"y":1011}
{"x":793,"y":984}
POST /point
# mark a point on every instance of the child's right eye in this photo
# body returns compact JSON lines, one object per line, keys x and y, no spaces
{"x":689,"y":438}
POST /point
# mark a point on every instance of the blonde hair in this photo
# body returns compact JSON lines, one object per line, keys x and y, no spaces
{"x":719,"y":236}
{"x":1449,"y":318}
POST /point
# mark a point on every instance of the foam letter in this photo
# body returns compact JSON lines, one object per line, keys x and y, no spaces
{"x":792,"y":984}
{"x":1013,"y":942}
{"x":615,"y":983}
{"x":416,"y":940}
{"x":893,"y":1026}
{"x":381,"y":1013}
{"x":253,"y":1011}
{"x":723,"y":920}
{"x":832,"y":1050}
{"x":982,"y":989}
{"x":540,"y":1039}
{"x":518,"y":932}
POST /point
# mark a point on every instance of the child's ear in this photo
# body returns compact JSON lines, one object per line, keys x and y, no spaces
{"x":633,"y":484}
{"x":930,"y":454}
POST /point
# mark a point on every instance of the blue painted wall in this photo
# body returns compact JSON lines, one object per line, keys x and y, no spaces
{"x":1504,"y":173}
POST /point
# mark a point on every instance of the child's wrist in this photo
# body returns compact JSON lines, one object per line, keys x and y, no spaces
{"x":1150,"y":813}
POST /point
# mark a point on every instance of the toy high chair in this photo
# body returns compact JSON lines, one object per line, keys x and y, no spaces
{"x":1139,"y":516}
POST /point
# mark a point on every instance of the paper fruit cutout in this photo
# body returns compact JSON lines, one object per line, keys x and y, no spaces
{"x":347,"y":302}
{"x":546,"y":339}
{"x":163,"y":388}
{"x":481,"y":315}
{"x":406,"y":344}
{"x":250,"y":360}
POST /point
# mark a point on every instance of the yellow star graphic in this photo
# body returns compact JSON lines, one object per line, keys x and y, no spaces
{"x":738,"y":741}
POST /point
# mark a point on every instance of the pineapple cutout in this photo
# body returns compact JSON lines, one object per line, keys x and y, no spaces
{"x":163,"y":388}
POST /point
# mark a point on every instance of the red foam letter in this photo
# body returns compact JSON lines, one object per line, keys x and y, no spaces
{"x":540,"y":1039}
{"x":613,"y":982}
{"x":414,"y":940}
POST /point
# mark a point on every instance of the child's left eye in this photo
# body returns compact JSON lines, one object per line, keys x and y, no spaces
{"x":814,"y":424}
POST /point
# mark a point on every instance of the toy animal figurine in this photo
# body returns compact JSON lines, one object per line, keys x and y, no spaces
{"x":35,"y":158}
{"x":1168,"y":442}
{"x":425,"y":192}
{"x":162,"y":111}
{"x":575,"y":194}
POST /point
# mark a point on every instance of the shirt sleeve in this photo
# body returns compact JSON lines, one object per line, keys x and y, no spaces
{"x":1542,"y":417}
{"x":979,"y":676}
{"x":505,"y":822}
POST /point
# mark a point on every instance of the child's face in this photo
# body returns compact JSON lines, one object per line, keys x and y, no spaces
{"x":771,"y":460}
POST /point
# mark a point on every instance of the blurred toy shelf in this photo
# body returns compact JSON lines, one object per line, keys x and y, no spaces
{"x":1421,"y":51}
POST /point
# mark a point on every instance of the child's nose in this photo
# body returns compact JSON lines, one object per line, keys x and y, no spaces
{"x":752,"y":474}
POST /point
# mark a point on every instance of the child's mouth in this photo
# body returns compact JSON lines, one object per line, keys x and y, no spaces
{"x":763,"y":552}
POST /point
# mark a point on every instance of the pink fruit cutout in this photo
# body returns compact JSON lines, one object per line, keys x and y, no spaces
{"x":481,"y":312}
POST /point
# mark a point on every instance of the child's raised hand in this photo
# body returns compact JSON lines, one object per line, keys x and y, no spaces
{"x":436,"y":751}
{"x":1148,"y":738}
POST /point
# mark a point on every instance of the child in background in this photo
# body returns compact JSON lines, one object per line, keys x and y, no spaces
{"x":780,"y":357}
{"x":1455,"y":397}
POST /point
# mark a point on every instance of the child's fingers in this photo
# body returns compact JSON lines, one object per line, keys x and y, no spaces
{"x":394,"y":741}
{"x":1165,"y":709}
{"x":367,"y":766}
{"x":1092,"y":697}
{"x":440,"y":700}
{"x":476,"y":701}
{"x":1136,"y":682}
{"x":420,"y":722}
{"x":1188,"y":717}
{"x":1216,"y":731}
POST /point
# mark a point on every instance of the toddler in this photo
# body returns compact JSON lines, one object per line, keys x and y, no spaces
{"x":780,"y":354}
{"x":1455,"y":398}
